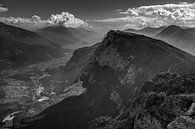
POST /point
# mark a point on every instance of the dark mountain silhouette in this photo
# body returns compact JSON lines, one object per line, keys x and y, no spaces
{"x":113,"y":75}
{"x":179,"y":37}
{"x":21,"y":47}
{"x":69,"y":37}
{"x":23,"y":36}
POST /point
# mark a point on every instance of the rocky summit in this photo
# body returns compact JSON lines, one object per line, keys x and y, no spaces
{"x":115,"y":76}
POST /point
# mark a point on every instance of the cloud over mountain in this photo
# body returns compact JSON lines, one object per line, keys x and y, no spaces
{"x":182,"y":14}
{"x":3,"y":9}
{"x":19,"y":20}
{"x":64,"y":19}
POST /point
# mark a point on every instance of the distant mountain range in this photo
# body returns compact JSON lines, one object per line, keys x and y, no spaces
{"x":24,"y":47}
{"x":24,"y":36}
{"x":21,"y":47}
{"x":179,"y":37}
{"x":148,"y":31}
{"x":183,"y":38}
{"x":70,"y":37}
{"x":113,"y":72}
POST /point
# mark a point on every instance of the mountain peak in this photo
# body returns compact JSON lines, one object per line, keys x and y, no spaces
{"x":172,"y":29}
{"x":119,"y":33}
{"x":118,"y":49}
{"x":132,"y":43}
{"x":174,"y":26}
{"x":114,"y":35}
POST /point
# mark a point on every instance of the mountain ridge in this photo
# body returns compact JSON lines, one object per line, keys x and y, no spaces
{"x":69,"y":37}
{"x":180,"y":37}
{"x":22,"y":47}
{"x":148,"y":31}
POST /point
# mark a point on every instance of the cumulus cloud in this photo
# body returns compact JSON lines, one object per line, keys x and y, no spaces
{"x":182,"y":14}
{"x":19,"y":20}
{"x":64,"y":19}
{"x":170,"y":11}
{"x":3,"y":9}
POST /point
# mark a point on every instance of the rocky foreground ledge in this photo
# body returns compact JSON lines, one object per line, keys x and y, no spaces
{"x":166,"y":102}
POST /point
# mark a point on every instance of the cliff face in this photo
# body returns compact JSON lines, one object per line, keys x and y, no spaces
{"x":134,"y":58}
{"x":78,"y":61}
{"x":113,"y":75}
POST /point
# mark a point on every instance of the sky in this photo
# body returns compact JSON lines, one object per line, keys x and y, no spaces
{"x":109,"y":14}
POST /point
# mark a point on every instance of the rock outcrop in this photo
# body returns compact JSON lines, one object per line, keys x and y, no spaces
{"x":159,"y":107}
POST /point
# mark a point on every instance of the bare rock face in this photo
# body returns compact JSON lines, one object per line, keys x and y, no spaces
{"x":191,"y":110}
{"x":109,"y":123}
{"x":147,"y":122}
{"x":110,"y":57}
{"x":185,"y":121}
